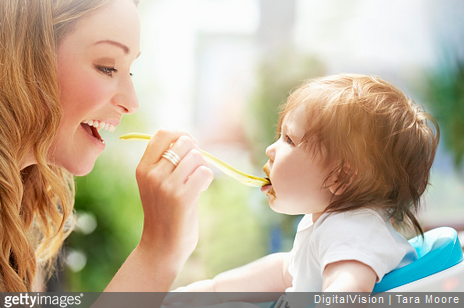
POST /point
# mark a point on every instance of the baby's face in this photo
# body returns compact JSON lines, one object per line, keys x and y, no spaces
{"x":296,"y":174}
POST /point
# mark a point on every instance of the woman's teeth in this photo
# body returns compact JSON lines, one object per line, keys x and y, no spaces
{"x":100,"y":125}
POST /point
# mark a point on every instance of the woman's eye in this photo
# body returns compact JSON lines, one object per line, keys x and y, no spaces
{"x":107,"y":70}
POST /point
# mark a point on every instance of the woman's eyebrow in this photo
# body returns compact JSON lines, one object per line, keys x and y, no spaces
{"x":117,"y":44}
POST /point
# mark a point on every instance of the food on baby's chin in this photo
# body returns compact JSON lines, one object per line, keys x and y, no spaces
{"x":271,"y":194}
{"x":266,"y":169}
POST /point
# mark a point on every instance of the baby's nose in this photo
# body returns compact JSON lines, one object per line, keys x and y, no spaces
{"x":270,"y":151}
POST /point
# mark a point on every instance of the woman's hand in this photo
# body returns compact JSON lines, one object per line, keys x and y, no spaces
{"x":170,"y":194}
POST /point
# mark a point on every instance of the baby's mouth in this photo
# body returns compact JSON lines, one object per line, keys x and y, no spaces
{"x":92,"y":127}
{"x":267,"y":170}
{"x":269,"y":189}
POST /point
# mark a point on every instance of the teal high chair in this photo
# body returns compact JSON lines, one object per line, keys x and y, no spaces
{"x":439,"y":257}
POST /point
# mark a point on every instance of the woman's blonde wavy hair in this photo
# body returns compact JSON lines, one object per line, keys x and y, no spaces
{"x":36,"y":203}
{"x":382,"y":142}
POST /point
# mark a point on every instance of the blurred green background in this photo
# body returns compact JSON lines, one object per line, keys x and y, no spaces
{"x":219,"y":69}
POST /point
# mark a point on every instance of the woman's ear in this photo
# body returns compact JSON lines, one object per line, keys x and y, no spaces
{"x":339,"y":180}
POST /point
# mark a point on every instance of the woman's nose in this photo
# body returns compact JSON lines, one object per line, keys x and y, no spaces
{"x":126,"y":99}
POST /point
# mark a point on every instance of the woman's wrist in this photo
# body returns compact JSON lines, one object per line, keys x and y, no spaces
{"x":167,"y":255}
{"x":159,"y":268}
{"x":145,"y":270}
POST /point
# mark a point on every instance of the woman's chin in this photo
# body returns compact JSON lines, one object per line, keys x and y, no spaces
{"x":82,"y":173}
{"x":79,"y":169}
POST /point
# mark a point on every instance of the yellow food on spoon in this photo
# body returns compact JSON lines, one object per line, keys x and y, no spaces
{"x":242,"y":177}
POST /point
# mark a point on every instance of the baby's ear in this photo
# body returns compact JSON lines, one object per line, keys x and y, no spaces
{"x":339,"y":180}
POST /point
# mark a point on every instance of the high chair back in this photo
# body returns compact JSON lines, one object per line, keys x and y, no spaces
{"x":439,"y":250}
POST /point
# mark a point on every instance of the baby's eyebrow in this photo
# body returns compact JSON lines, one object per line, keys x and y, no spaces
{"x":288,"y":130}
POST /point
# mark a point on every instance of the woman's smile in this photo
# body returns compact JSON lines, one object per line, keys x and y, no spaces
{"x":93,"y":127}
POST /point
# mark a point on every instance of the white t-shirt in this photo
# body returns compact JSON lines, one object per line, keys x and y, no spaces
{"x":362,"y":235}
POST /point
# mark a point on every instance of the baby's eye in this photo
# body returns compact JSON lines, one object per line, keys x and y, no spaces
{"x":289,"y":140}
{"x":107,"y":70}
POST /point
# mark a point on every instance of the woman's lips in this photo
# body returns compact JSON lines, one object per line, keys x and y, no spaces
{"x":93,"y":127}
{"x":92,"y":131}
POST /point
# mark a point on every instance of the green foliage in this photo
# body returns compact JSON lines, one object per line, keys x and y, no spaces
{"x":445,"y":93}
{"x":276,"y":78}
{"x":111,"y":196}
{"x":231,"y":231}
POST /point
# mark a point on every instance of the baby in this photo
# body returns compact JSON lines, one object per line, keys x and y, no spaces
{"x":354,"y":156}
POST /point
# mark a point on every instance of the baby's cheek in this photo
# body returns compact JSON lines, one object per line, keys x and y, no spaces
{"x":290,"y":187}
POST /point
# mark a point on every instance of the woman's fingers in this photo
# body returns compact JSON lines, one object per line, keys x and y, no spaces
{"x":195,"y":172}
{"x":185,"y":163}
{"x":169,"y":191}
{"x":159,"y":143}
{"x":176,"y":154}
{"x":181,"y":175}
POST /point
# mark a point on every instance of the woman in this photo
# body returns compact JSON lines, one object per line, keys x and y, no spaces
{"x":65,"y":75}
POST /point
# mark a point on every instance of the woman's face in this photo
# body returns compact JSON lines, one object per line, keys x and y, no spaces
{"x":94,"y":62}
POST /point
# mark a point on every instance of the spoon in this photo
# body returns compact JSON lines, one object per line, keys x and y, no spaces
{"x":242,"y":177}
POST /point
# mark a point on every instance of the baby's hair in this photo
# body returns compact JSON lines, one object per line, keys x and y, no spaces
{"x":382,"y":143}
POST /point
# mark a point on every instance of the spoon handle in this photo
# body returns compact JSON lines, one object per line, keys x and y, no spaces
{"x":242,"y":177}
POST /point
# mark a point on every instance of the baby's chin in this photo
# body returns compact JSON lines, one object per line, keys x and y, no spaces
{"x":285,"y":205}
{"x":279,"y":208}
{"x":271,"y":194}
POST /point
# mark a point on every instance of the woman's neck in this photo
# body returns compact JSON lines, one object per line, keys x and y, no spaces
{"x":28,"y":159}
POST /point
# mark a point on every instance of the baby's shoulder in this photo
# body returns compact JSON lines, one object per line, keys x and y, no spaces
{"x":354,"y":216}
{"x":360,"y":222}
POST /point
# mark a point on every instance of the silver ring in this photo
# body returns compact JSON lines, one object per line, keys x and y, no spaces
{"x":171,"y":157}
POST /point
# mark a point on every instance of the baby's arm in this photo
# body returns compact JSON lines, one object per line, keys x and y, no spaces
{"x":348,"y":276}
{"x":268,"y":274}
